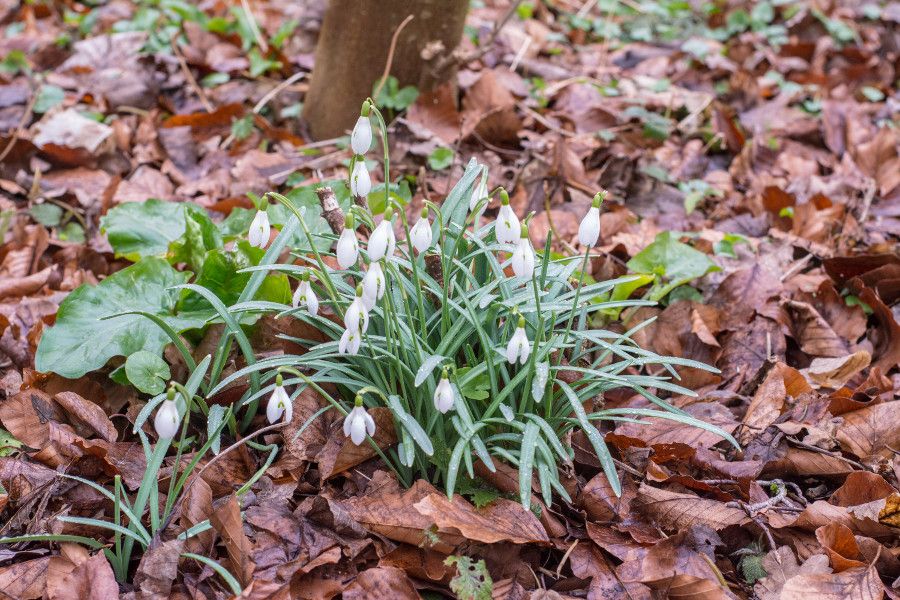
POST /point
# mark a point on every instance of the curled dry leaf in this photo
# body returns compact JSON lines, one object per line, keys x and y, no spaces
{"x":870,"y":430}
{"x":835,"y":372}
{"x":158,"y":568}
{"x":840,"y":546}
{"x":500,"y":521}
{"x":226,"y":520}
{"x":812,"y":331}
{"x":87,"y":417}
{"x":381,"y":582}
{"x":674,"y":511}
{"x":91,"y":578}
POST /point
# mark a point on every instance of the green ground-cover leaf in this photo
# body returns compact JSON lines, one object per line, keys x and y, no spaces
{"x":672,"y":260}
{"x":82,"y":340}
{"x":148,"y":372}
{"x":139,"y":229}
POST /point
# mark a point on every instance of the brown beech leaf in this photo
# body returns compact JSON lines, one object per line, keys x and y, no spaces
{"x":226,"y":520}
{"x":870,"y":430}
{"x":500,"y":521}
{"x":158,"y":568}
{"x":340,"y":453}
{"x":489,"y":111}
{"x":797,"y":461}
{"x":885,"y":337}
{"x":769,"y":399}
{"x":24,"y":580}
{"x":835,"y":372}
{"x":674,"y":511}
{"x":861,"y":520}
{"x":742,"y":292}
{"x":91,"y":579}
{"x":196,"y":507}
{"x":840,"y":546}
{"x":781,"y":566}
{"x":854,"y":584}
{"x":812,"y":331}
{"x":861,"y":487}
{"x":381,"y":582}
{"x":588,"y":562}
{"x":86,"y":416}
{"x":653,"y":430}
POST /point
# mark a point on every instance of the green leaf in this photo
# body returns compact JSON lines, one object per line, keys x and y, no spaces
{"x":472,"y":580}
{"x":139,"y":229}
{"x":48,"y":215}
{"x":82,"y":340}
{"x":242,"y":128}
{"x":49,"y":96}
{"x":669,"y":258}
{"x":147,"y":372}
{"x":8,"y":444}
{"x":260,"y":64}
{"x":200,"y":236}
{"x":72,"y":232}
{"x":440,"y":159}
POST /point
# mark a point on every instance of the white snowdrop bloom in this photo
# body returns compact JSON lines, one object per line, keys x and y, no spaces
{"x":258,"y":236}
{"x":373,"y":285}
{"x":507,"y":225}
{"x":523,"y":258}
{"x":279,"y":403}
{"x":382,"y":242}
{"x":305,"y":296}
{"x":360,"y":182}
{"x":361,"y":137}
{"x":589,"y":230}
{"x":350,"y":342}
{"x":443,"y":394}
{"x":167,"y":419}
{"x":356,"y":319}
{"x":420,"y":234}
{"x":347,"y":246}
{"x":480,"y":192}
{"x":359,"y":423}
{"x":518,"y":348}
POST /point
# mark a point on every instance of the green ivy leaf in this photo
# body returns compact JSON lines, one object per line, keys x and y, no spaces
{"x":472,"y":580}
{"x":48,"y":215}
{"x":200,"y":236}
{"x":147,"y":372}
{"x":82,"y":341}
{"x":440,"y":159}
{"x":49,"y":96}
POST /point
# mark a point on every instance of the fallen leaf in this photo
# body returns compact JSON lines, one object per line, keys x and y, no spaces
{"x":870,"y":430}
{"x":674,"y":511}
{"x":500,"y":521}
{"x":840,"y":546}
{"x":226,"y":520}
{"x":25,"y":580}
{"x":158,"y":568}
{"x":340,"y":453}
{"x":381,"y":582}
{"x":835,"y":372}
{"x":92,"y":579}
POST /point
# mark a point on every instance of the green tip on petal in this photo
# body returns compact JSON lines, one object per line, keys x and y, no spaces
{"x":279,"y":380}
{"x":366,"y":108}
{"x":521,"y":321}
{"x":504,"y":197}
{"x":349,"y":221}
{"x":599,"y":198}
{"x":358,"y":401}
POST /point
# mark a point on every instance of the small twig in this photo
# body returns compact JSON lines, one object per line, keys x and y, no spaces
{"x":331,"y":209}
{"x":390,"y":56}
{"x":277,"y":90}
{"x":173,"y":42}
{"x":454,"y":59}
{"x":565,"y":557}
{"x":521,"y":52}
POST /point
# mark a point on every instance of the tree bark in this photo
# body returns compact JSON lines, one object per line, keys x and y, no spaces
{"x":353,"y":48}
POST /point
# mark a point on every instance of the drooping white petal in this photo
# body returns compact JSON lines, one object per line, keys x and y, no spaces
{"x":347,"y":249}
{"x":512,"y":350}
{"x":344,"y":341}
{"x":258,"y":236}
{"x":305,"y":296}
{"x":479,"y":193}
{"x":373,"y":285}
{"x":357,"y":317}
{"x":443,"y":396}
{"x":279,"y":404}
{"x":360,"y":182}
{"x":358,"y":426}
{"x":589,"y":229}
{"x":347,"y":420}
{"x":361,"y":137}
{"x":312,"y":301}
{"x":523,"y":259}
{"x":421,"y":235}
{"x":507,"y":227}
{"x":518,"y":348}
{"x":379,"y":241}
{"x":391,"y":242}
{"x":369,"y":421}
{"x":167,"y":420}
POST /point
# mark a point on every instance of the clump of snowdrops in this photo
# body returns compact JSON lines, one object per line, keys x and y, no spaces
{"x":481,"y":347}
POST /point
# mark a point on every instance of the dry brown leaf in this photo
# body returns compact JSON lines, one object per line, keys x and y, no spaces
{"x":812,"y":331}
{"x":25,"y":580}
{"x":340,"y":453}
{"x":500,"y":521}
{"x":870,"y":430}
{"x":781,"y":566}
{"x":853,"y":584}
{"x":226,"y":520}
{"x":381,"y":582}
{"x":90,"y":579}
{"x":87,"y":417}
{"x":840,"y":546}
{"x":489,"y":111}
{"x":861,"y":487}
{"x":835,"y":372}
{"x":655,"y":430}
{"x":158,"y":568}
{"x":674,"y":511}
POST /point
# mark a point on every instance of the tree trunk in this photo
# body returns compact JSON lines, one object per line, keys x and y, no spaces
{"x":353,"y":49}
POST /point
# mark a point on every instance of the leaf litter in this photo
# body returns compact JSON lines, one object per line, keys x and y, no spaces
{"x":752,"y":159}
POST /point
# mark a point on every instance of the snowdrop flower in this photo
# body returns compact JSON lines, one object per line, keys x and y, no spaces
{"x":347,"y":246}
{"x":382,"y":242}
{"x":523,"y":256}
{"x":361,"y":137}
{"x":258,"y":236}
{"x":167,"y":418}
{"x":305,"y":296}
{"x":420,"y":234}
{"x":350,"y":342}
{"x":589,"y":230}
{"x":360,"y":182}
{"x":359,"y":423}
{"x":356,"y":319}
{"x":279,"y":403}
{"x":519,"y":348}
{"x":507,"y":225}
{"x":479,"y":193}
{"x":373,"y":285}
{"x":443,"y":394}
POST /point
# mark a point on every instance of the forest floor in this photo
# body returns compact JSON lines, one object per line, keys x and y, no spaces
{"x":765,"y":135}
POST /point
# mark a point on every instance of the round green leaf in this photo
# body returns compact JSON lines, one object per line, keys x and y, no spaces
{"x":147,"y":372}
